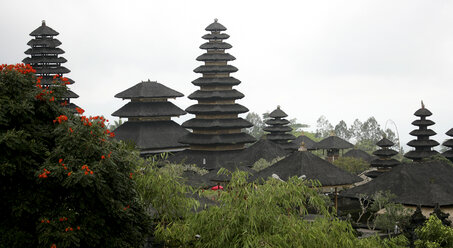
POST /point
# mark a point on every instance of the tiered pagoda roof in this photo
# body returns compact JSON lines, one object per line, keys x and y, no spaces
{"x":449,"y":143}
{"x":216,"y":126}
{"x":384,"y":162}
{"x":278,"y":128}
{"x":422,"y":144}
{"x":149,"y":114}
{"x":45,"y":59}
{"x":309,"y":144}
{"x":359,"y":154}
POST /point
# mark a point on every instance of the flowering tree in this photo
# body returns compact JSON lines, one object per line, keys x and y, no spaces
{"x":64,"y":181}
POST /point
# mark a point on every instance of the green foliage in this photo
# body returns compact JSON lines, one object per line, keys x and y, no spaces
{"x":258,"y":124}
{"x":262,"y":163}
{"x":438,"y":157}
{"x":395,"y":214}
{"x":352,"y":165}
{"x":63,"y":180}
{"x":434,"y":234}
{"x":268,"y":215}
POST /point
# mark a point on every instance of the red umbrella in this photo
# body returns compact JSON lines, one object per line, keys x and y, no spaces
{"x":217,"y":187}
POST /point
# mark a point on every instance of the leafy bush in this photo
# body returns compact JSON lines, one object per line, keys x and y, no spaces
{"x":434,"y":234}
{"x":352,"y":165}
{"x":64,"y":182}
{"x":262,"y":163}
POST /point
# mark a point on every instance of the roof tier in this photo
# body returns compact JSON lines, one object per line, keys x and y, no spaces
{"x":149,"y":109}
{"x":49,"y":80}
{"x":217,"y":124}
{"x":44,"y":50}
{"x":333,"y":142}
{"x":46,"y":42}
{"x":449,"y":143}
{"x":359,"y":154}
{"x":151,"y":135}
{"x":277,"y":129}
{"x":216,"y":139}
{"x":44,"y":30}
{"x":278,"y":113}
{"x":44,"y":60}
{"x":423,"y":123}
{"x":216,"y":81}
{"x":215,"y":36}
{"x":277,"y":122}
{"x":51,"y":70}
{"x":215,"y":57}
{"x":215,"y":95}
{"x":385,"y":155}
{"x":215,"y":69}
{"x":215,"y":27}
{"x":216,"y":109}
{"x":149,"y":89}
{"x":215,"y":45}
{"x":384,"y":142}
{"x":281,"y":137}
{"x":307,"y":165}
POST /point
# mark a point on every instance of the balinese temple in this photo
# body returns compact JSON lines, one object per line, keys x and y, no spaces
{"x":423,"y":144}
{"x":262,"y":149}
{"x":46,"y":60}
{"x":309,"y":144}
{"x":216,"y":126}
{"x":359,"y":154}
{"x":384,"y":162}
{"x":279,"y":131}
{"x":149,"y":125}
{"x":449,"y":143}
{"x":333,"y":145}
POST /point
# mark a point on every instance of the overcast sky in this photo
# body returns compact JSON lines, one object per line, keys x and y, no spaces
{"x":341,"y":59}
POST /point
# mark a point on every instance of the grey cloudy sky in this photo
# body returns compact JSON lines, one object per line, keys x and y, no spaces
{"x":341,"y":59}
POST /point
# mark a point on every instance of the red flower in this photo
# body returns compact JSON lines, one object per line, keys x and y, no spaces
{"x":53,"y":246}
{"x":60,"y":160}
{"x":102,"y":157}
{"x":78,"y":227}
{"x":79,"y":110}
{"x":69,"y":173}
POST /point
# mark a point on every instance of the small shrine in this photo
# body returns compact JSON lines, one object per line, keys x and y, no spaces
{"x":384,"y":162}
{"x":333,"y":144}
{"x":278,"y":128}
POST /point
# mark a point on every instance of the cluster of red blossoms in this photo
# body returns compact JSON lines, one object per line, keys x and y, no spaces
{"x":44,"y":174}
{"x":21,"y":68}
{"x":87,"y":170}
{"x":45,"y":221}
{"x":60,"y":119}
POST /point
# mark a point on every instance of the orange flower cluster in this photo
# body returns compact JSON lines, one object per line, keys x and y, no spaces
{"x":109,"y":133}
{"x":86,"y":121}
{"x":60,"y":161}
{"x":53,"y":246}
{"x":21,"y":68}
{"x":44,"y":174}
{"x":79,"y":110}
{"x":45,"y":91}
{"x":70,"y":130}
{"x":63,"y":219}
{"x":60,"y":119}
{"x":65,"y":103}
{"x":87,"y":170}
{"x":102,"y":157}
{"x":69,"y":229}
{"x":45,"y":221}
{"x":125,"y":208}
{"x":130,"y":175}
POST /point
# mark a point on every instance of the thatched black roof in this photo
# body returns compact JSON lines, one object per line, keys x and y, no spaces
{"x":48,"y":80}
{"x":216,"y":45}
{"x":308,"y":143}
{"x":149,"y":89}
{"x":278,"y":113}
{"x":47,"y":42}
{"x":215,"y":27}
{"x":216,"y":139}
{"x":263,"y":148}
{"x":449,"y":143}
{"x":359,"y":154}
{"x":333,"y":142}
{"x":384,"y":142}
{"x":385,"y":153}
{"x":216,"y":81}
{"x":149,"y":135}
{"x":284,"y":137}
{"x":425,"y":123}
{"x":277,"y":122}
{"x":69,"y":94}
{"x":215,"y":57}
{"x":423,"y":145}
{"x":33,"y":60}
{"x":206,"y":159}
{"x":44,"y":30}
{"x":196,"y":180}
{"x":216,"y":109}
{"x":43,"y":50}
{"x":425,"y":183}
{"x":313,"y":167}
{"x":278,"y":128}
{"x":149,"y":109}
{"x":51,"y":70}
{"x":215,"y":69}
{"x":217,"y":123}
{"x":215,"y":36}
{"x":215,"y":94}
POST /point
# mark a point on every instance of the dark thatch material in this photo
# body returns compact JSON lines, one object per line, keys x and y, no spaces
{"x":206,"y":159}
{"x":149,"y":109}
{"x":385,"y":163}
{"x":217,"y":81}
{"x":359,"y":154}
{"x":385,"y":153}
{"x":308,"y":143}
{"x":51,"y":70}
{"x":216,"y":139}
{"x":215,"y":94}
{"x":216,"y":57}
{"x":425,"y":183}
{"x":384,"y":142}
{"x":216,"y":45}
{"x":33,"y":60}
{"x":215,"y":27}
{"x":69,"y":94}
{"x":278,"y":129}
{"x":450,"y":132}
{"x":424,"y":123}
{"x":449,"y":143}
{"x":422,"y":143}
{"x":310,"y":165}
{"x":215,"y":69}
{"x":47,"y":42}
{"x":216,"y":109}
{"x":418,"y":132}
{"x":217,"y":124}
{"x":44,"y":30}
{"x":149,"y":89}
{"x":215,"y":36}
{"x":277,"y":122}
{"x":423,"y":112}
{"x":43,"y":50}
{"x":148,"y":135}
{"x":48,"y":80}
{"x":278,"y":113}
{"x":333,"y":142}
{"x":262,"y":149}
{"x":281,"y":137}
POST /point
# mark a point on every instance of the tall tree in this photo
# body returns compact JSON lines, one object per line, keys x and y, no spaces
{"x":342,"y":131}
{"x":257,"y":130}
{"x":323,"y":127}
